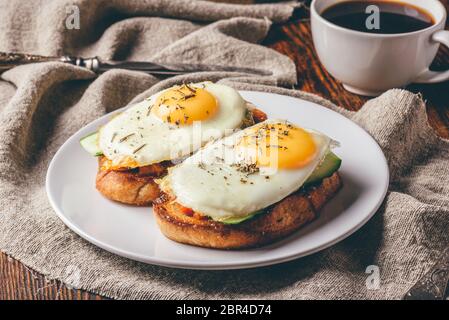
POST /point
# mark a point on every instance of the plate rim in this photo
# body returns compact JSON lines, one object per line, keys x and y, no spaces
{"x":171,"y":263}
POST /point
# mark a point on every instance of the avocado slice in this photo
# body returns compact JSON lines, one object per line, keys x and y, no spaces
{"x":90,"y":144}
{"x":327,"y":167}
{"x":241,"y":219}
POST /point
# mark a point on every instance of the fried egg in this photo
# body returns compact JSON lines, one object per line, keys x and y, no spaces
{"x":171,"y":124}
{"x":248,"y":170}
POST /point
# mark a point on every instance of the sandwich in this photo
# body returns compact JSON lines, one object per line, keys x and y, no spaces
{"x":138,"y":146}
{"x":250,"y":188}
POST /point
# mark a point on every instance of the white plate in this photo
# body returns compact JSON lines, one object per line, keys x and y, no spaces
{"x":132,"y":232}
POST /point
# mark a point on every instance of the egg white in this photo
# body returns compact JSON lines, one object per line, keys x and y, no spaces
{"x":165,"y":141}
{"x":199,"y":182}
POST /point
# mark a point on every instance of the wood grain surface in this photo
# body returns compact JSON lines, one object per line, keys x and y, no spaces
{"x":294,"y":40}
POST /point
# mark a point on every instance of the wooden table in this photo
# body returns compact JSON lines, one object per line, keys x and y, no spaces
{"x":294,"y":40}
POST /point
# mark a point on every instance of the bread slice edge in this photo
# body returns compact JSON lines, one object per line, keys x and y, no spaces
{"x":278,"y":221}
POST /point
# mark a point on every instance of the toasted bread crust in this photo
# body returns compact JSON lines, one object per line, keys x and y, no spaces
{"x":279,"y":221}
{"x":137,"y":187}
{"x":128,"y":187}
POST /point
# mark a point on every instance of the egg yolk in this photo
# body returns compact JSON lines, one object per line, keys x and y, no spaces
{"x":126,"y":163}
{"x":279,"y":145}
{"x":184,"y":105}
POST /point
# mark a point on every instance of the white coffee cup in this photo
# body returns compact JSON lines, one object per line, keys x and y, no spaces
{"x":369,"y":63}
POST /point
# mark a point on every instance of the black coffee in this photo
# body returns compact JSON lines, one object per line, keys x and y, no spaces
{"x":394,"y":17}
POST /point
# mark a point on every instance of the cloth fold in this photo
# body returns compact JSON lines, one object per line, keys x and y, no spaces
{"x":50,"y":27}
{"x":41,"y":105}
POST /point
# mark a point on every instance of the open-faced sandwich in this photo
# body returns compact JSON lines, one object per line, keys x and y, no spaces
{"x":251,"y":188}
{"x":137,"y":146}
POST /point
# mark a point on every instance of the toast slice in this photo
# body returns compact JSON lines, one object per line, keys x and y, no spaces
{"x":278,"y":221}
{"x":137,"y":186}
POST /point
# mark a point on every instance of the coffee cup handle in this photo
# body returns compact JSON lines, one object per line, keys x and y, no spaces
{"x":435,"y":76}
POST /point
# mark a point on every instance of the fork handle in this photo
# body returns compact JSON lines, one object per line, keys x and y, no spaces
{"x":11,"y":60}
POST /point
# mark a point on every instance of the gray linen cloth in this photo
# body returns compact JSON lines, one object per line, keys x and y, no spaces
{"x":41,"y":105}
